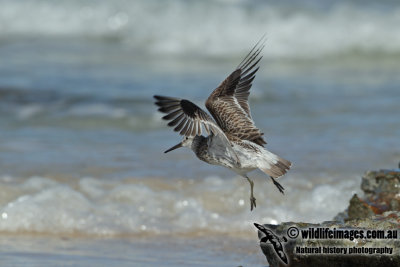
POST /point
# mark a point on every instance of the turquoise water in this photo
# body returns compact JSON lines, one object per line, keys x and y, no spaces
{"x":81,"y":142}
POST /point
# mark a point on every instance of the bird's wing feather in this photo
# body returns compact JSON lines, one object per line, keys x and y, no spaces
{"x":189,"y":119}
{"x":228,"y":103}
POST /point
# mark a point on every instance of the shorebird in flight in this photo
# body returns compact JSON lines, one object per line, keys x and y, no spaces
{"x":233,"y":140}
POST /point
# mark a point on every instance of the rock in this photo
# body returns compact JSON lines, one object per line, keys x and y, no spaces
{"x":377,"y":211}
{"x":382,"y":189}
{"x":321,"y":256}
{"x":375,"y":182}
{"x":358,"y":209}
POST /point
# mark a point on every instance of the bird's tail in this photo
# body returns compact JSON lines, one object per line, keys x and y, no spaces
{"x":274,"y":165}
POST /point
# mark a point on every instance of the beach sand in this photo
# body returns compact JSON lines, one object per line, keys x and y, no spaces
{"x":39,"y":250}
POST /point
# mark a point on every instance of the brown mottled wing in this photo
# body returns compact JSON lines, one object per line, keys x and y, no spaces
{"x":228,"y":103}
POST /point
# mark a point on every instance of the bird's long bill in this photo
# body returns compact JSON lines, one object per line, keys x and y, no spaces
{"x":174,"y":147}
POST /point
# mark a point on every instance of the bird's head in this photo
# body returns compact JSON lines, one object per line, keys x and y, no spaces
{"x":186,"y":142}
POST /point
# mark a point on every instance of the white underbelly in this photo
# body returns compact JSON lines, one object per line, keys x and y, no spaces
{"x":248,"y":159}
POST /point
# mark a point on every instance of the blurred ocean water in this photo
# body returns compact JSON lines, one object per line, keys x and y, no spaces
{"x":81,"y":143}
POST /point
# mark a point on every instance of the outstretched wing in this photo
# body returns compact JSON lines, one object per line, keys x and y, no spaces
{"x":228,"y":103}
{"x":189,"y":119}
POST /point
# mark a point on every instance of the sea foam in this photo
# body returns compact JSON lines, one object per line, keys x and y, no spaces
{"x":94,"y":207}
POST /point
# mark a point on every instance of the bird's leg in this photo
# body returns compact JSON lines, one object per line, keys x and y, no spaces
{"x":278,"y":185}
{"x":252,"y":198}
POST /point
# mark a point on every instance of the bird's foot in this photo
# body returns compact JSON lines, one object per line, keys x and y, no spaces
{"x":252,"y":198}
{"x":278,"y":185}
{"x":252,"y":203}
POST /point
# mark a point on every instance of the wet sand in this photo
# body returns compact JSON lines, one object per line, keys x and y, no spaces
{"x":33,"y":250}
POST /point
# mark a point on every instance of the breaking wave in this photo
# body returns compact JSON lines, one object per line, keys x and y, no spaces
{"x":310,"y":29}
{"x":148,"y":206}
